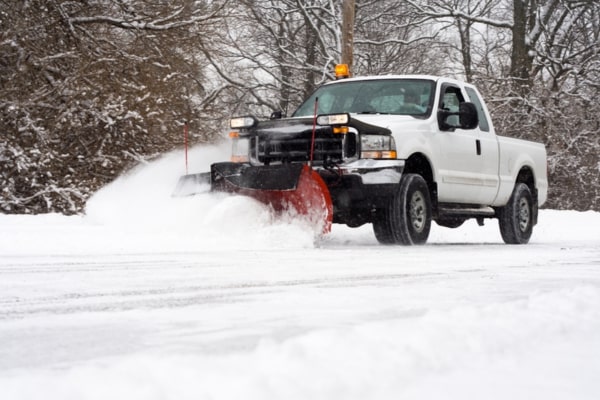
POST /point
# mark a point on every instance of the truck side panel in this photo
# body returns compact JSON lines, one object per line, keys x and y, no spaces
{"x":516,"y":154}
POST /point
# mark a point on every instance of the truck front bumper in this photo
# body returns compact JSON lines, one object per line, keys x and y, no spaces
{"x":374,"y":172}
{"x":360,"y":187}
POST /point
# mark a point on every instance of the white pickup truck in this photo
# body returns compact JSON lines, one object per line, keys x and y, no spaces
{"x":397,"y":152}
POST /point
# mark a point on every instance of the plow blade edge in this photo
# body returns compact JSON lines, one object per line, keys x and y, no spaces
{"x":192,"y":184}
{"x":288,"y":186}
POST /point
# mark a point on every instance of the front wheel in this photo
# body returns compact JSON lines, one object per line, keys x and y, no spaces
{"x":406,"y":219}
{"x":516,"y":219}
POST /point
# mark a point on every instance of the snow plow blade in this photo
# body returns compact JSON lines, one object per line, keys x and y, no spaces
{"x":284,"y":187}
{"x":191,"y":184}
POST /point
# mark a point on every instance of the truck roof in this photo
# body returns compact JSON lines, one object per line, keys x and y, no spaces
{"x":379,"y":77}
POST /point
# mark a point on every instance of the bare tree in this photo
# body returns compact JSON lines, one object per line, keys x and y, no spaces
{"x":389,"y":38}
{"x":274,"y":53}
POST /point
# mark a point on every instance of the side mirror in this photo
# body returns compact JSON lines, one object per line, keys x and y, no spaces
{"x":465,"y":118}
{"x":468,"y":117}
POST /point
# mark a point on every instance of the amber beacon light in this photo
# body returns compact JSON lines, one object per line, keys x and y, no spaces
{"x":342,"y":71}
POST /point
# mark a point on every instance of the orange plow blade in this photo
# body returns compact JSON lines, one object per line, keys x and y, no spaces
{"x":294,"y":187}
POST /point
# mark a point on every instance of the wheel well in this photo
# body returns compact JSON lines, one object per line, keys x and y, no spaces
{"x":526,"y":176}
{"x":419,"y":164}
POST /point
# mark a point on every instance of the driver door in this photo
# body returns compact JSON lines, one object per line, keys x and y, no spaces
{"x":463,"y":176}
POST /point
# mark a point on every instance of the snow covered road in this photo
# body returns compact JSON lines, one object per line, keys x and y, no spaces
{"x":149,"y":297}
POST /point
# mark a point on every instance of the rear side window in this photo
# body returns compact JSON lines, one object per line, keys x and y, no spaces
{"x":483,"y":122}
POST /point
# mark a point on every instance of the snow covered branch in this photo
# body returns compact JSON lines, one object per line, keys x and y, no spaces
{"x":177,"y":18}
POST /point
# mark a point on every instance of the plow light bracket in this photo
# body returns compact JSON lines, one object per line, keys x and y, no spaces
{"x":339,"y":122}
{"x":242,"y":122}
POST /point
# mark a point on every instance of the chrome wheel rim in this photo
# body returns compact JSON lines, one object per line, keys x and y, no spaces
{"x":524,"y":214}
{"x":418,"y":211}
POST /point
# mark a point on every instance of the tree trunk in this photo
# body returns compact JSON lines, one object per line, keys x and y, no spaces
{"x":464,"y":29}
{"x":347,"y":32}
{"x":521,"y":60}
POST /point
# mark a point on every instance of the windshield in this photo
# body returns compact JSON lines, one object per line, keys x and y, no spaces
{"x":383,"y":96}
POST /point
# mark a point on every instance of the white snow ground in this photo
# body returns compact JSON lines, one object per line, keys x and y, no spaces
{"x":212,"y":297}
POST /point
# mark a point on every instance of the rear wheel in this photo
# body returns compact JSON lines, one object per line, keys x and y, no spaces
{"x":406,"y":219}
{"x":517,"y":217}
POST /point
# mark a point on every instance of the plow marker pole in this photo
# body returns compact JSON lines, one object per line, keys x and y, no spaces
{"x":312,"y":141}
{"x":185,"y":144}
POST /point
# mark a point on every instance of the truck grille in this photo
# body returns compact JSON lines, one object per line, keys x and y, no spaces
{"x":267,"y":150}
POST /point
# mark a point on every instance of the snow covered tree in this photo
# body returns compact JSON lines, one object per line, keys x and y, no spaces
{"x":90,"y":87}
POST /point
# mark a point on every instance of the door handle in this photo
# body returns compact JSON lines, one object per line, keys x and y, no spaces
{"x":478,"y":146}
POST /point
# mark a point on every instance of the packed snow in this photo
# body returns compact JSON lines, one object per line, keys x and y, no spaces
{"x":148,"y":297}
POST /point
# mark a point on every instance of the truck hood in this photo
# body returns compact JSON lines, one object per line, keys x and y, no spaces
{"x":394,"y":123}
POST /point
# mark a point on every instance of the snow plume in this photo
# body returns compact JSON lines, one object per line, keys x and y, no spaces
{"x":141,"y":202}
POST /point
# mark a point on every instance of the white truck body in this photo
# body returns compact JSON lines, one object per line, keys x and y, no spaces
{"x":469,"y":166}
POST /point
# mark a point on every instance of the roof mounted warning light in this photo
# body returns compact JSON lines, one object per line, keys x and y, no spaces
{"x":342,"y":71}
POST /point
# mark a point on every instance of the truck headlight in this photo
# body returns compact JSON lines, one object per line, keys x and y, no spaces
{"x":377,"y":147}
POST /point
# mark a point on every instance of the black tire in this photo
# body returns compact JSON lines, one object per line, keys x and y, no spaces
{"x":407,"y":218}
{"x":381,"y":228}
{"x":516,"y":219}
